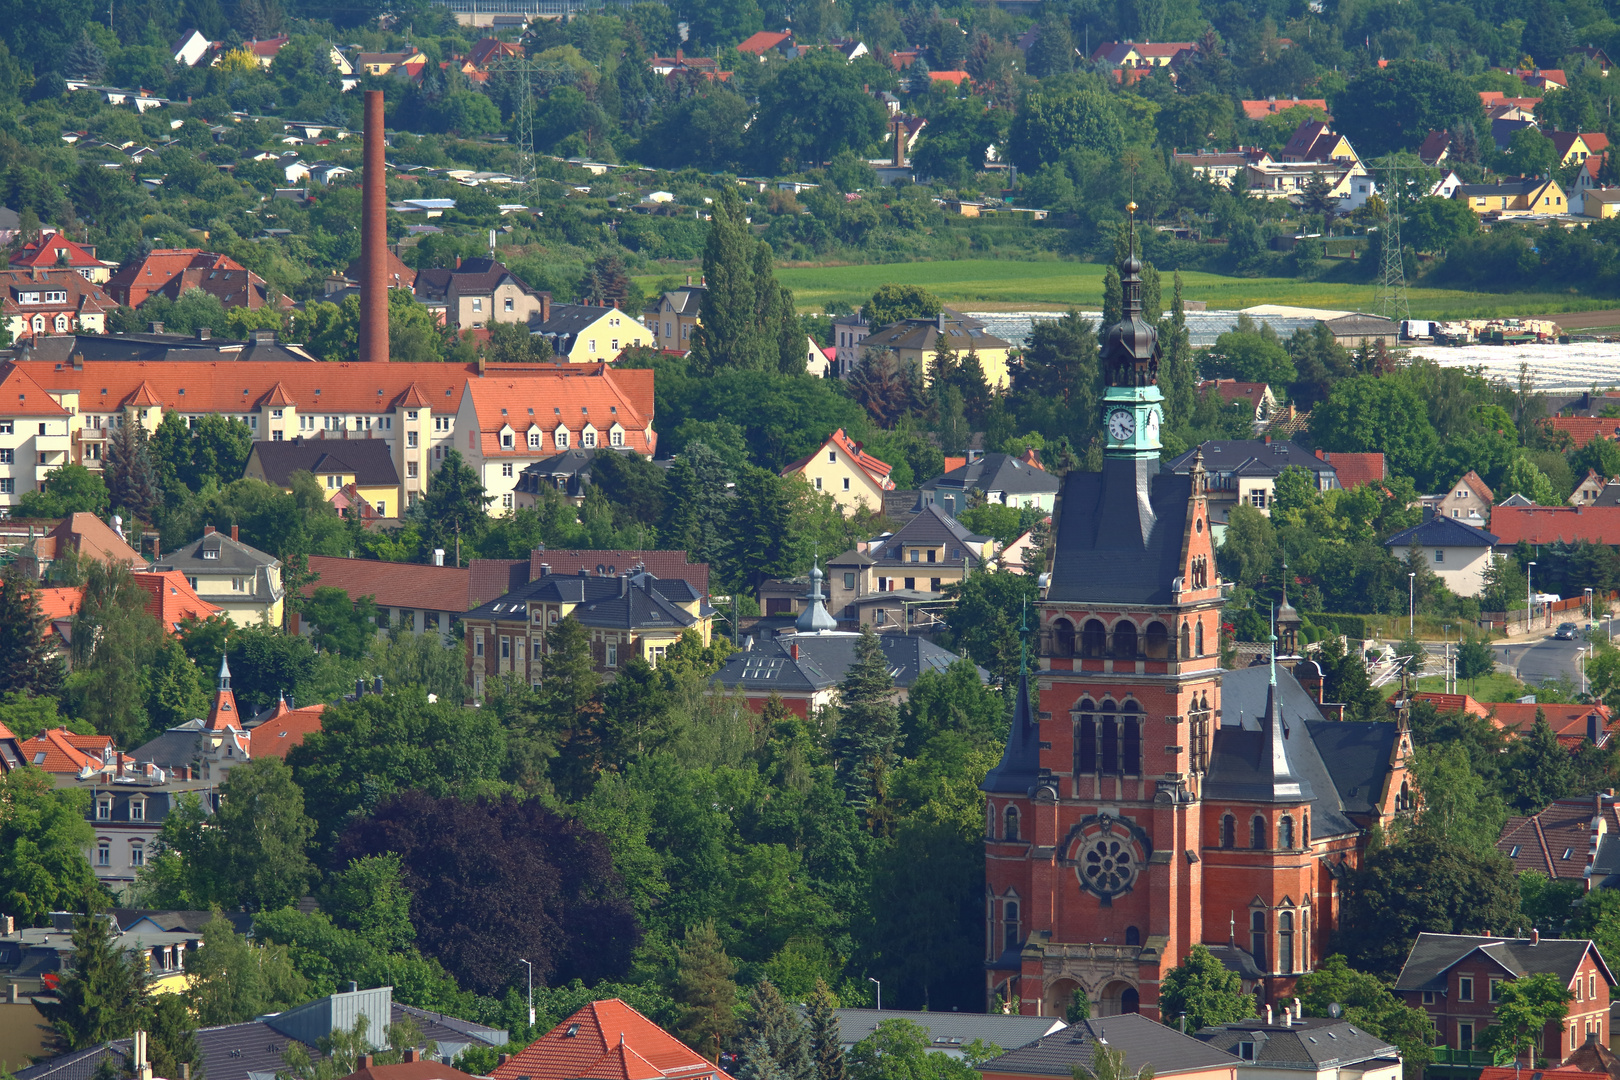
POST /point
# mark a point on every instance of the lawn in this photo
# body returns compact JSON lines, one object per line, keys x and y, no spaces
{"x":993,"y":284}
{"x":1497,"y":686}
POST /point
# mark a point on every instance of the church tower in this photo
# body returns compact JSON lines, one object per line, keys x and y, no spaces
{"x":1094,"y":832}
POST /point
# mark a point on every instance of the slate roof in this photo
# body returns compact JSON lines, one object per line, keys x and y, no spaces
{"x":621,"y":602}
{"x":1020,"y":767}
{"x":1145,"y":1042}
{"x":1357,"y":758}
{"x":932,"y":527}
{"x":1109,"y":549}
{"x":950,"y":1030}
{"x":233,"y":555}
{"x":567,"y":320}
{"x":1433,"y":955}
{"x":666,"y":565}
{"x":370,"y":460}
{"x":1250,"y":457}
{"x":961,"y":332}
{"x":1316,"y":1042}
{"x":997,"y":472}
{"x":1240,"y":752}
{"x":1442,"y":532}
{"x":474,"y":277}
{"x":823,"y":659}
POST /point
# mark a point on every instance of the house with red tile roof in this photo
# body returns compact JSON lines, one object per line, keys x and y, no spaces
{"x":53,"y":251}
{"x":67,"y":756}
{"x":37,"y":301}
{"x":414,"y":1067}
{"x":1132,"y":54}
{"x":608,"y":1040}
{"x":86,"y":535}
{"x":489,"y":50}
{"x":1354,"y":470}
{"x":11,"y":755}
{"x":285,"y":728}
{"x":955,"y":78}
{"x":1573,"y":723}
{"x":1561,"y":840}
{"x":505,"y":424}
{"x":1468,"y":500}
{"x":172,"y":272}
{"x":1259,"y":110}
{"x":841,"y":467}
{"x":172,"y":600}
{"x":1556,"y":524}
{"x":1583,"y":429}
{"x":1256,"y":395}
{"x":766,"y":41}
{"x":410,"y":596}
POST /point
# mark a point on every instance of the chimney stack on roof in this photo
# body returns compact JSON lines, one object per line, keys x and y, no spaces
{"x":235,"y":534}
{"x":208,"y":530}
{"x":374,"y":239}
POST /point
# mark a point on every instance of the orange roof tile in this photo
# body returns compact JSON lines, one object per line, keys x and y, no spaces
{"x":1453,"y":703}
{"x":878,"y":470}
{"x":47,"y":252}
{"x":61,"y":603}
{"x":401,"y":585}
{"x":61,"y":752}
{"x":583,"y":1046}
{"x":1552,"y":524}
{"x":762,"y":42}
{"x":1583,"y":429}
{"x":1566,"y":720}
{"x":1259,"y":110}
{"x":22,"y":396}
{"x":276,"y":398}
{"x":144,"y":396}
{"x":524,"y":404}
{"x":955,"y":78}
{"x":1540,"y":841}
{"x":172,"y":599}
{"x":1354,"y":470}
{"x":285,"y":729}
{"x":88,"y":535}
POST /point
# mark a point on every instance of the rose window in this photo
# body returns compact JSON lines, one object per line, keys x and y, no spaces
{"x":1107,"y":865}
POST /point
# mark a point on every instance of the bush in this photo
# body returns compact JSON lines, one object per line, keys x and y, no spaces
{"x":1351,"y":626}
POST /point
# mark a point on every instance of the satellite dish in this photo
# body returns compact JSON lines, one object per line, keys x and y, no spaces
{"x":1335,"y":1010}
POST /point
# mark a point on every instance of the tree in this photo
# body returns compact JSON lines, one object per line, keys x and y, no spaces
{"x":103,"y":996}
{"x":262,"y":832}
{"x":1474,"y":659}
{"x":704,"y":989}
{"x":845,"y":116}
{"x":1458,"y":806}
{"x":1422,"y":884}
{"x":1597,"y":916}
{"x":1201,"y":988}
{"x":900,"y":1050}
{"x":43,"y":839}
{"x":452,"y":511}
{"x":345,"y":627}
{"x":1251,"y":355}
{"x":986,"y":617}
{"x":1368,"y":413}
{"x":1388,"y":108}
{"x":234,"y":979}
{"x":1051,"y":125}
{"x":1052,"y":52}
{"x":747,"y":319}
{"x":869,"y":720}
{"x":115,"y":641}
{"x":29,"y":662}
{"x":1524,"y":1008}
{"x":1435,"y":224}
{"x":515,"y":343}
{"x":127,"y":469}
{"x":1542,"y":768}
{"x":370,"y":898}
{"x":763,"y":543}
{"x":775,"y":1034}
{"x":891,"y":303}
{"x":826,"y":1044}
{"x":68,"y":489}
{"x":1532,"y":153}
{"x":171,"y":1037}
{"x":568,"y":707}
{"x":553,"y":897}
{"x":1368,"y":1003}
{"x":1078,"y":1007}
{"x":1108,"y":1063}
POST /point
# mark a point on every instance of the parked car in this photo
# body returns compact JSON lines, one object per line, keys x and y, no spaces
{"x":1565,"y":631}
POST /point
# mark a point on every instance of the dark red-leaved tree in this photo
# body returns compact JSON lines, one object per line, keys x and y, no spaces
{"x":493,"y":880}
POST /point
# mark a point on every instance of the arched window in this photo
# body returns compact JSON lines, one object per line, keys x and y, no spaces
{"x":1063,"y":638}
{"x":1130,"y":1001}
{"x":1131,"y":741}
{"x":1305,"y":831}
{"x":1198,"y":635}
{"x":1186,"y":641}
{"x":39,"y":324}
{"x":1257,"y":833}
{"x":1133,"y":936}
{"x":61,"y":324}
{"x":1110,"y":739}
{"x":1010,"y":824}
{"x":1156,"y":641}
{"x":1285,"y":833}
{"x":1257,"y":939}
{"x":1285,"y":942}
{"x":1125,"y":639}
{"x":990,"y":820}
{"x":1228,"y":831}
{"x":1085,"y":749}
{"x":1093,"y":638}
{"x":1009,"y":916}
{"x":1403,"y":801}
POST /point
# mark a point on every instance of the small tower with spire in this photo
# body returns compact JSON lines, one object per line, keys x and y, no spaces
{"x":815,"y":618}
{"x":223,"y":716}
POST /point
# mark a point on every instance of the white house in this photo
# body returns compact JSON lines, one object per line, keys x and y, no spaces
{"x":191,"y":48}
{"x":1458,"y":553}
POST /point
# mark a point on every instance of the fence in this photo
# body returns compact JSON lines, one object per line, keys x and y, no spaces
{"x":1544,"y":616}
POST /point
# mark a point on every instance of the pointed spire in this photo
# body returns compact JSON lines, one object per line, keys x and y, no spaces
{"x":222,"y":716}
{"x":1020,"y":766}
{"x":815,"y":617}
{"x":224,"y":673}
{"x":1278,"y":781}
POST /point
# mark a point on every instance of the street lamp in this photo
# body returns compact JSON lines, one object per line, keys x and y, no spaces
{"x":530,"y":966}
{"x":1529,"y":597}
{"x":1411,"y":605}
{"x":1591,"y":609}
{"x":879,"y":983}
{"x":1445,"y":657}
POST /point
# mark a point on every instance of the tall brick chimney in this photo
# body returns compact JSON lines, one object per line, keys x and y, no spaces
{"x":374,"y":239}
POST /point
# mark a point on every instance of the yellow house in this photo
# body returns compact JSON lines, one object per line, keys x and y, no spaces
{"x":383,"y":63}
{"x":590,"y":333}
{"x":1533,"y":196}
{"x":855,"y":479}
{"x":242,"y":580}
{"x":914,"y":341}
{"x":368,"y":464}
{"x":1602,"y":202}
{"x":1573,"y":148}
{"x":673,"y":318}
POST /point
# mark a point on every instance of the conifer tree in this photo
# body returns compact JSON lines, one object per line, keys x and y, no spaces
{"x":705,"y":991}
{"x":1177,"y":375}
{"x":172,"y":1038}
{"x":1113,"y":298}
{"x":776,"y":1031}
{"x":103,"y":996}
{"x":729,"y":334}
{"x":128,"y":469}
{"x":27,"y":660}
{"x":869,"y":720}
{"x":757,"y":1063}
{"x":826,"y":1041}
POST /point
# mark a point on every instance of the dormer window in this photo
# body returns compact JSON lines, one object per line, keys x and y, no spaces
{"x":1246,"y":1050}
{"x":534,"y":440}
{"x":506,"y":440}
{"x":210,"y":553}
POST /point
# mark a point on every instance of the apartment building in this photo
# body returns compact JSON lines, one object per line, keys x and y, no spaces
{"x":36,"y":302}
{"x":34,"y":435}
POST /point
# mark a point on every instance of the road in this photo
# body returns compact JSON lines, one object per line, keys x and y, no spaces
{"x":1536,"y":660}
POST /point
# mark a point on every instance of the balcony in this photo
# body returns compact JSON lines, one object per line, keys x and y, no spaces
{"x":1124,"y":643}
{"x":1467,"y":1058}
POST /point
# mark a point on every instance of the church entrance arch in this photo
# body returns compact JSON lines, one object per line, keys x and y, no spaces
{"x":1058,"y":996}
{"x":1119,"y":997}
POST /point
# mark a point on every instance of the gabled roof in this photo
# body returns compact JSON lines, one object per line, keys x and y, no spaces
{"x":1259,"y":110}
{"x":1436,"y":145}
{"x":1115,"y":52}
{"x":1571,"y":722}
{"x":665,"y":565}
{"x":622,"y":602}
{"x":285,"y":729}
{"x":20,"y":395}
{"x":60,"y":751}
{"x":877,"y":471}
{"x":1433,"y":955}
{"x":1313,"y":1042}
{"x":228,"y":555}
{"x":1441,"y":531}
{"x":1555,"y":524}
{"x":581,"y":1045}
{"x":370,"y":461}
{"x":804,"y":663}
{"x":1583,"y":429}
{"x":82,"y":297}
{"x":1145,"y":1042}
{"x":394,"y":585}
{"x":950,"y":1030}
{"x":1558,"y":840}
{"x":48,"y":252}
{"x":931,"y":527}
{"x":600,"y":400}
{"x":762,"y":42}
{"x":171,"y":599}
{"x":1354,"y":470}
{"x":1251,"y":457}
{"x":997,"y":472}
{"x":409,"y":1070}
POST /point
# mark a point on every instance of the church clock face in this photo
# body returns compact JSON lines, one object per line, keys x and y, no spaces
{"x":1121,"y":425}
{"x":1153,"y":425}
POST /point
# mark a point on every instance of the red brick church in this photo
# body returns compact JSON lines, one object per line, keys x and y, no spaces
{"x":1153,"y":800}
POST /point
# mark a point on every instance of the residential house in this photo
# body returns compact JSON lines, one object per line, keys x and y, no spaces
{"x":11,"y":754}
{"x":1573,"y":723}
{"x":913,"y":341}
{"x":849,"y":331}
{"x":1296,"y":1047}
{"x":1574,"y":148}
{"x":1245,"y":471}
{"x":1142,"y":56}
{"x":192,"y":46}
{"x":365,"y":464}
{"x":1001,"y":478}
{"x":283,"y":729}
{"x":53,"y":251}
{"x":841,"y":468}
{"x":34,"y":436}
{"x":1144,"y":1042}
{"x":1350,"y":184}
{"x":36,"y":302}
{"x":1594,"y":54}
{"x":264,"y":51}
{"x":1259,"y":110}
{"x":511,"y":423}
{"x":1454,"y":978}
{"x":674,"y":316}
{"x":1556,"y":524}
{"x":253,"y":1050}
{"x":1561,"y":841}
{"x":627,"y":615}
{"x":1498,"y":106}
{"x":1257,"y":395}
{"x":766,"y":42}
{"x":1583,"y":429}
{"x":889,"y":582}
{"x":1458,"y":553}
{"x":67,"y":757}
{"x":204,"y":747}
{"x":413,"y":1066}
{"x":1587,"y":491}
{"x":850,"y":49}
{"x":409,"y":597}
{"x":949,"y":1032}
{"x":1468,"y":500}
{"x":171,"y":600}
{"x":173,"y":272}
{"x":567,"y":473}
{"x":1016,"y":556}
{"x":590,"y":333}
{"x":1354,"y":470}
{"x":1515,"y":198}
{"x":244,"y":582}
{"x":1506,"y":122}
{"x":607,"y":1040}
{"x":803,"y":667}
{"x":492,"y":50}
{"x":1436,"y":148}
{"x":1598,"y":203}
{"x":384,"y":63}
{"x":1223,"y":167}
{"x":1446,"y":187}
{"x":492,"y":578}
{"x":1315,"y":142}
{"x":34,"y":959}
{"x":479,"y":292}
{"x":83,"y":534}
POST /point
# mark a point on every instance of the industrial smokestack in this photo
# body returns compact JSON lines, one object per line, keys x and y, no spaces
{"x":374,"y":239}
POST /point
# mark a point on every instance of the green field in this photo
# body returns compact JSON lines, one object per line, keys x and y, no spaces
{"x":993,"y":284}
